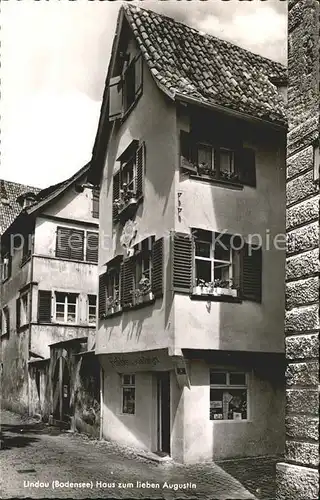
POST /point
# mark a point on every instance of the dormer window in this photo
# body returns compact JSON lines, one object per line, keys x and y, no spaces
{"x":125,"y":90}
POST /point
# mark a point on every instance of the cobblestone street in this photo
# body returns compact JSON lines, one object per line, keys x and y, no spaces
{"x":34,"y":452}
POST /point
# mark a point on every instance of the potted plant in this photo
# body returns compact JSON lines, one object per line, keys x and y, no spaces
{"x":197,"y":290}
{"x":145,"y":287}
{"x":113,"y":304}
{"x":223,"y":287}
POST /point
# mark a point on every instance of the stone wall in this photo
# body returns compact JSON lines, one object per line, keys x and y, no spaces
{"x":297,"y":477}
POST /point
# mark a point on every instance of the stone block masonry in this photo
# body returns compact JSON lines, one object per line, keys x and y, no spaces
{"x":298,"y":477}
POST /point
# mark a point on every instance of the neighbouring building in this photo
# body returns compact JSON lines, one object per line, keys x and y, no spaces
{"x":49,"y":280}
{"x":298,"y":476}
{"x":190,"y":159}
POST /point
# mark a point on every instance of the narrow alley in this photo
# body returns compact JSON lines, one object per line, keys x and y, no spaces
{"x":39,"y":461}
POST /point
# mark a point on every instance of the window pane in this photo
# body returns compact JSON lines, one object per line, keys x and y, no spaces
{"x":205,"y":155}
{"x":92,"y":300}
{"x":218,"y":378}
{"x":203,"y":270}
{"x":237,"y":379}
{"x":72,"y":298}
{"x":128,"y":400}
{"x":226,"y":161}
{"x":222,"y":273}
{"x":237,"y":405}
{"x":60,"y":297}
{"x":71,"y":308}
{"x":126,"y":380}
{"x":222,"y":247}
{"x":216,"y":404}
{"x":60,"y":308}
{"x":202,"y":248}
{"x":202,"y":235}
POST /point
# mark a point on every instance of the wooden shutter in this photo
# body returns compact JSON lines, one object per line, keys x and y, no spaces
{"x":138,"y":76}
{"x":127,"y":282}
{"x":187,"y":153}
{"x":92,"y":247}
{"x":76,"y":243}
{"x":245,"y":166}
{"x":102,"y":295}
{"x":18,"y":309}
{"x":62,"y":243}
{"x":140,"y":166}
{"x":116,"y":193}
{"x":95,"y":203}
{"x":115,"y":98}
{"x":157,"y":268}
{"x":182,"y":259}
{"x":44,"y":306}
{"x":251,"y":273}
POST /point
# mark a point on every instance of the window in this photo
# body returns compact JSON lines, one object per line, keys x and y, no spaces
{"x":209,"y":264}
{"x":23,"y":310}
{"x":228,"y":395}
{"x":92,"y":308}
{"x":6,"y":267}
{"x":213,"y":259}
{"x":95,"y":203}
{"x":66,"y":305}
{"x":125,"y":90}
{"x":26,"y":248}
{"x":128,"y":394}
{"x":128,"y":181}
{"x":75,"y":244}
{"x":143,"y":261}
{"x":216,"y":162}
{"x":5,"y":327}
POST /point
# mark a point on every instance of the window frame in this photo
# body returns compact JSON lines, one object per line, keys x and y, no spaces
{"x":113,"y":289}
{"x":131,"y":385}
{"x":24,"y":310}
{"x":95,"y":306}
{"x":216,"y":160}
{"x":211,"y":258}
{"x":5,"y":318}
{"x":228,"y":385}
{"x":65,"y":311}
{"x":5,"y":267}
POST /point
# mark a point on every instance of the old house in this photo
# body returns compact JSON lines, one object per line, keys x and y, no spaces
{"x":49,"y":253}
{"x":298,"y":475}
{"x":190,"y":160}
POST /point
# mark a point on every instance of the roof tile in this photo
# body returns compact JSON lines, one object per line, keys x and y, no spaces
{"x":184,"y":57}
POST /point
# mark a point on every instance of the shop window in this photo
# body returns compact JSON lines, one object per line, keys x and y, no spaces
{"x":228,"y":395}
{"x":66,"y":307}
{"x":128,"y":394}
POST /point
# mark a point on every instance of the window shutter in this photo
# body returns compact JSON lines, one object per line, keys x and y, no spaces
{"x":102,"y":295}
{"x":115,"y":98}
{"x":18,"y":313}
{"x":245,"y":165}
{"x":182,"y":258}
{"x":157,"y":268}
{"x":62,"y":243}
{"x":95,"y":203}
{"x":76,"y":244}
{"x":140,"y":165}
{"x":251,"y":273}
{"x":127,"y":282}
{"x":236,"y":261}
{"x":187,"y":153}
{"x":116,"y":194}
{"x":138,"y":76}
{"x":44,"y":306}
{"x":92,"y":249}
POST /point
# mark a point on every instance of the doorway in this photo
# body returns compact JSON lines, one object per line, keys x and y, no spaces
{"x":61,"y":391}
{"x":163,"y":407}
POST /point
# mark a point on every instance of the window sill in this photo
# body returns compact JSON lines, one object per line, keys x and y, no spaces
{"x":129,"y":209}
{"x":218,"y":182}
{"x":54,"y":323}
{"x":233,"y":421}
{"x":67,"y":260}
{"x":138,"y":305}
{"x":216,"y":298}
{"x":22,"y":328}
{"x":25,"y":260}
{"x":113,"y":312}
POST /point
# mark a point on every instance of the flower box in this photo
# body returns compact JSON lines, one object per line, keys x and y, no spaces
{"x":230,"y":292}
{"x":113,"y":310}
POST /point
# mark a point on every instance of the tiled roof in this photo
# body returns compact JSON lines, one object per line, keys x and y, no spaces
{"x":9,"y":207}
{"x":185,"y":61}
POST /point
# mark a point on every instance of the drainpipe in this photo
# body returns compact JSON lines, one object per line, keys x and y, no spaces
{"x":30,"y":319}
{"x":101,"y":400}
